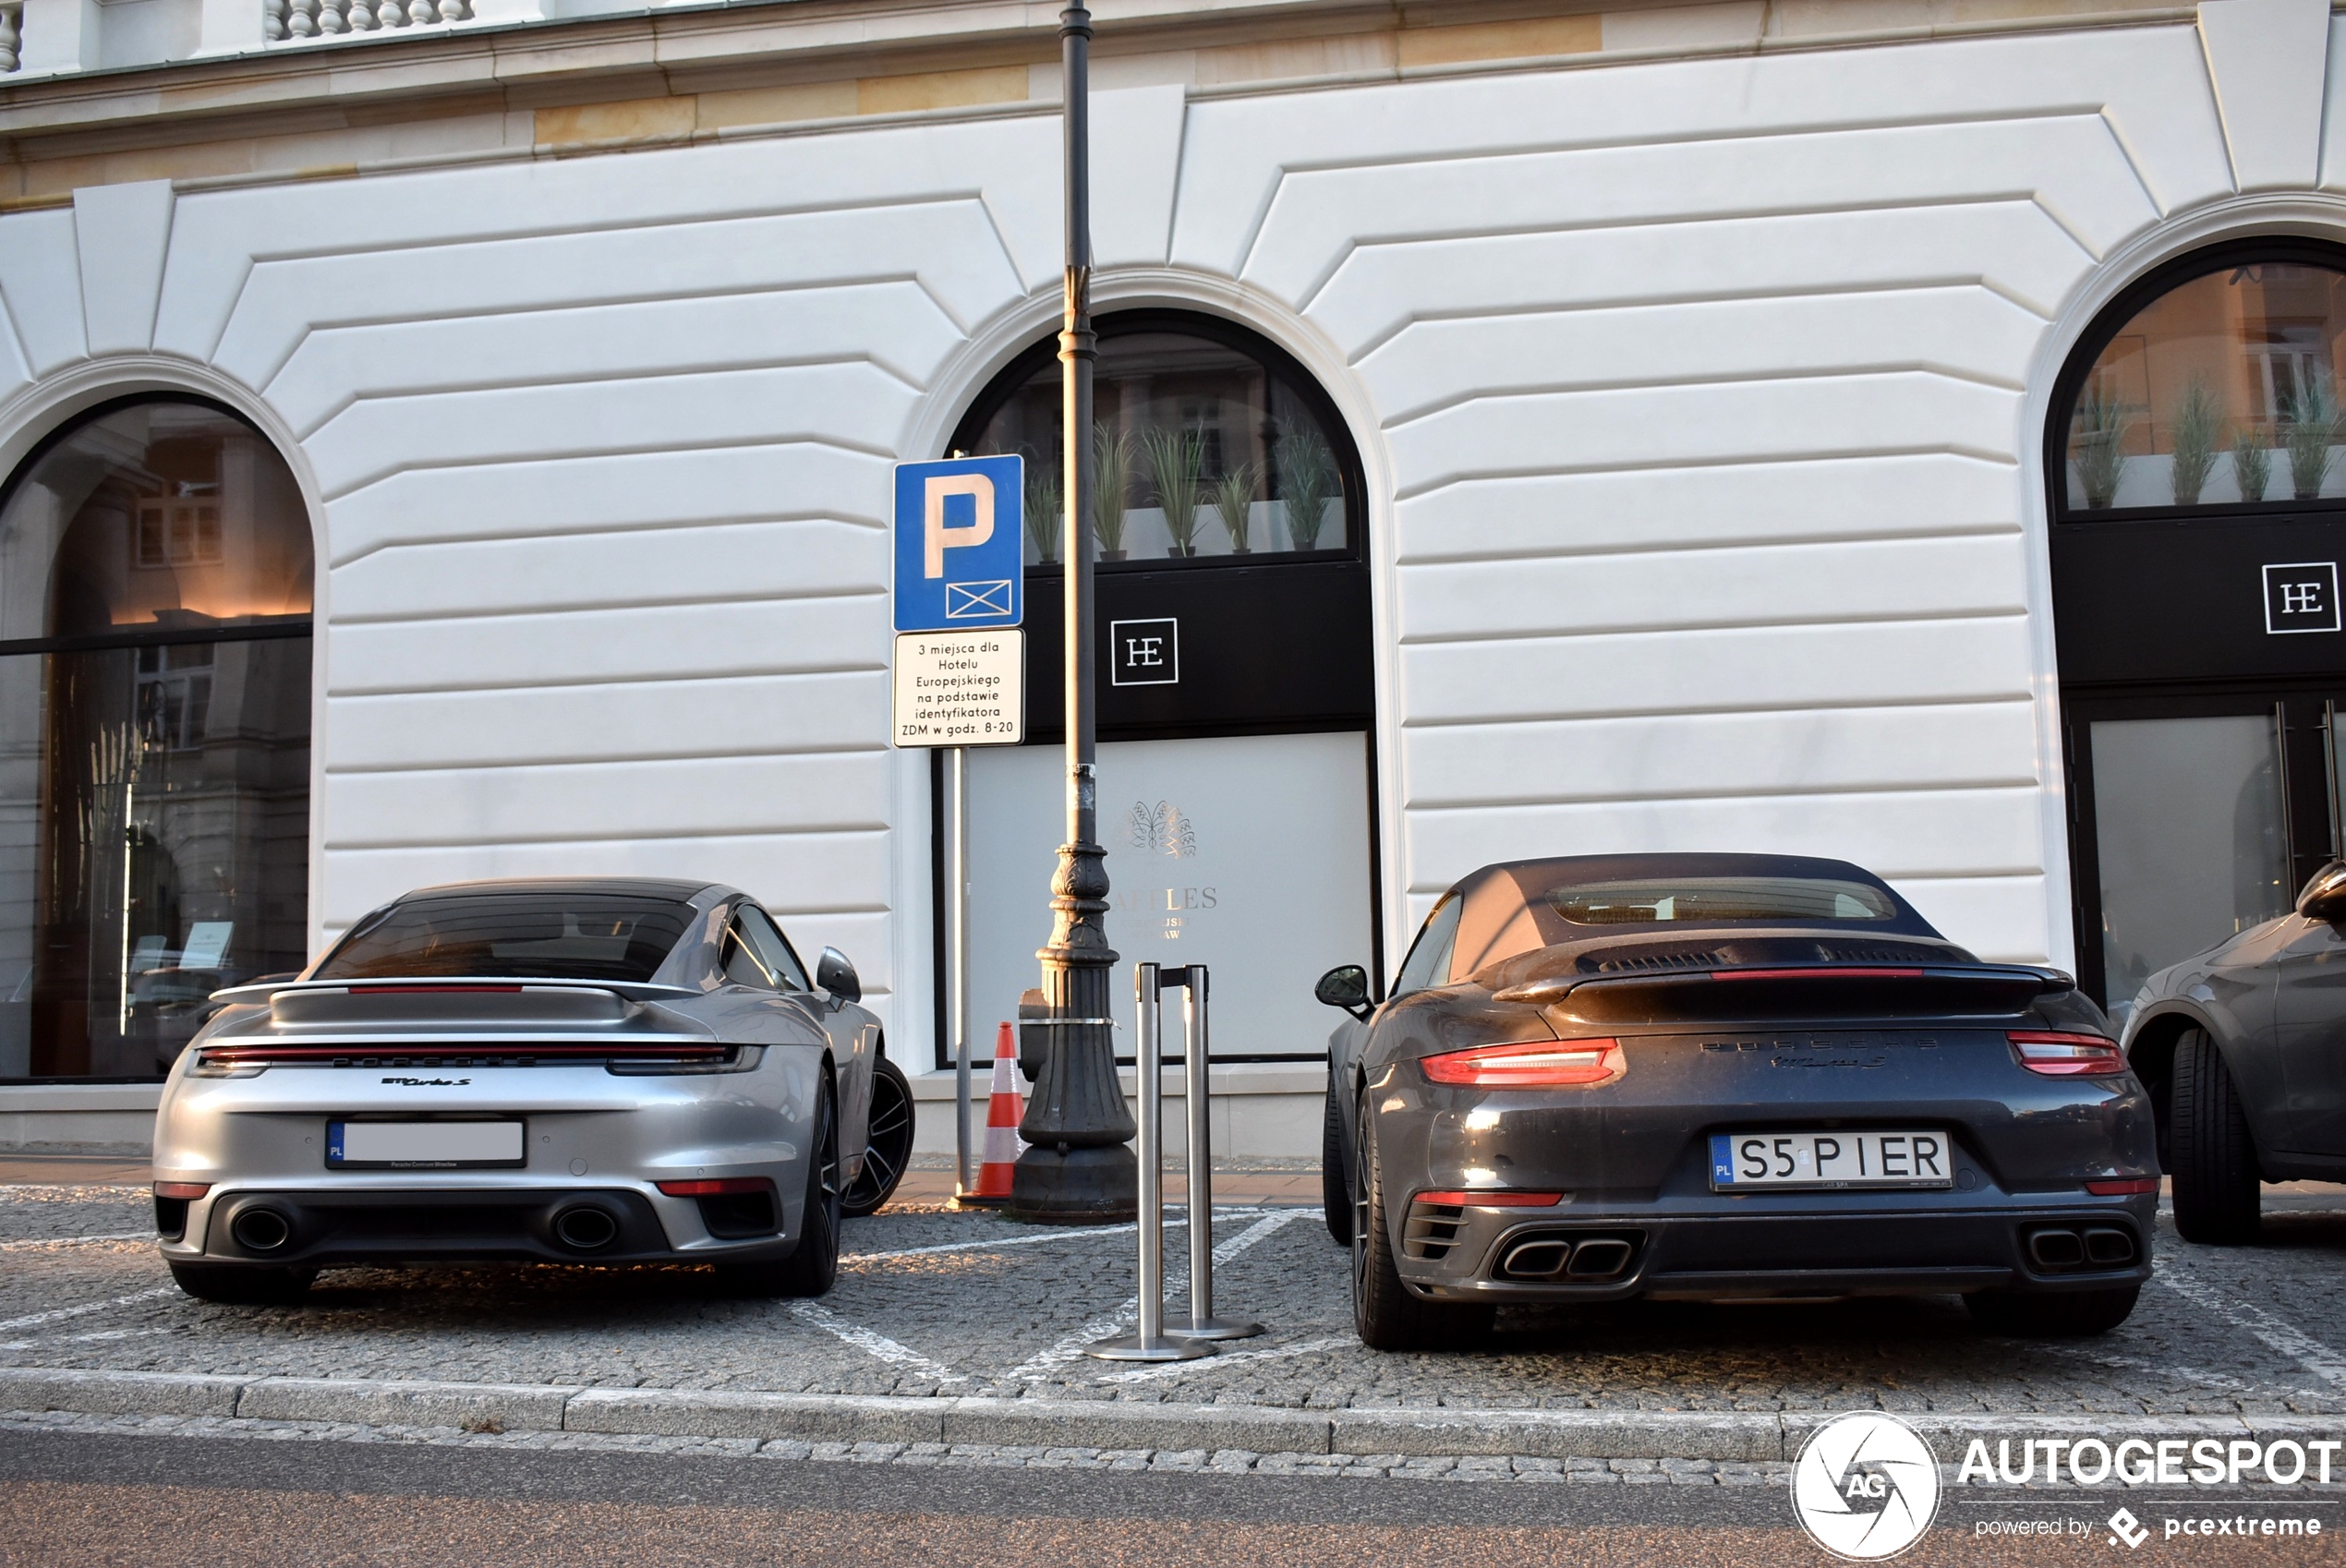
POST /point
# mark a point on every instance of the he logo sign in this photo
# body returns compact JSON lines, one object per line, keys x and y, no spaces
{"x":2300,"y":596}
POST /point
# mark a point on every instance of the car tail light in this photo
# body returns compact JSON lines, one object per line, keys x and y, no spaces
{"x":2125,"y":1187}
{"x":1507,"y":1200}
{"x":721,"y":1186}
{"x":1541,"y":1064}
{"x":182,"y":1189}
{"x":2066,"y":1055}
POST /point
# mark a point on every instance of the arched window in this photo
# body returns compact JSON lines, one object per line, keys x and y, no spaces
{"x":1210,"y":442}
{"x":155,"y":586}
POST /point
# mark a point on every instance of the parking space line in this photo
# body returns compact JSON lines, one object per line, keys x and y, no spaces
{"x":35,"y":1319}
{"x":2285,"y":1337}
{"x":872,"y":1343}
{"x":34,"y":1243}
{"x":1171,"y":1368}
{"x":1125,"y":1229}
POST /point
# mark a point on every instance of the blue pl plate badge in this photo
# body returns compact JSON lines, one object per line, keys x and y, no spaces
{"x":1722,"y":1159}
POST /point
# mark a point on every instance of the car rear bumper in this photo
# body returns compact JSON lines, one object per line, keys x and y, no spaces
{"x":1880,"y":1248}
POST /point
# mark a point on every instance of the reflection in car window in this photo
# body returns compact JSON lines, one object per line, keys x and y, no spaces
{"x":773,"y":952}
{"x":511,"y":936}
{"x":1429,"y":959}
{"x":1719,"y":900}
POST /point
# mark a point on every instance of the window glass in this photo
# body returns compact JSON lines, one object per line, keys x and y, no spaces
{"x":2223,"y":390}
{"x":1718,"y":900}
{"x":773,"y":952}
{"x":1203,"y":449}
{"x":1429,"y":959}
{"x":533,"y":935}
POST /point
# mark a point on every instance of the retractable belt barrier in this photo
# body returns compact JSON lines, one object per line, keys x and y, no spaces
{"x":1158,"y":1340}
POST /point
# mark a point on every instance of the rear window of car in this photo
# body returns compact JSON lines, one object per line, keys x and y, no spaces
{"x":512,"y":936}
{"x":1718,"y":900}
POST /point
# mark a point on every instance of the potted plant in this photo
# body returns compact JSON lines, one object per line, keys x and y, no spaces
{"x":1043,"y":512}
{"x":2099,"y":445}
{"x":2252,"y":462}
{"x":2198,"y":426}
{"x":2312,"y":433}
{"x":1111,"y":475}
{"x":1307,"y":482}
{"x":1177,"y":459}
{"x":1234,"y":499}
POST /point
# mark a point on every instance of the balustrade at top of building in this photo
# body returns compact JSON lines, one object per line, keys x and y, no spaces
{"x":57,"y":37}
{"x":317,"y":19}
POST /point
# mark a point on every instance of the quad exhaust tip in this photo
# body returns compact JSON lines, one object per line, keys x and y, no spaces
{"x":586,"y":1228}
{"x":1563,"y":1256}
{"x":2060,"y":1249}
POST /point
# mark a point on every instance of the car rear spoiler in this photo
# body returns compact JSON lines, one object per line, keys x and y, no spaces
{"x":487,"y":1000}
{"x":1804,"y":991}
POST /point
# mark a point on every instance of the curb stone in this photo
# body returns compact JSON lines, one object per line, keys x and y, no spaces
{"x":1732,"y":1436}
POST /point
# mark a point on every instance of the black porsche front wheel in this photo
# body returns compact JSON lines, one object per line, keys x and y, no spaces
{"x":2211,"y":1152}
{"x":2051,"y":1314}
{"x":1336,"y":1197}
{"x":888,"y":1148}
{"x":1384,"y":1314}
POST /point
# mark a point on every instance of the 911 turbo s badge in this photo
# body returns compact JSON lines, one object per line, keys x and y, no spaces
{"x":430,"y":1082}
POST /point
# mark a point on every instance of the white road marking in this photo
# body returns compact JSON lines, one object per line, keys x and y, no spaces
{"x":1172,"y":1368}
{"x":2287,"y":1338}
{"x":1032,"y":1240}
{"x":70,"y":1190}
{"x":35,"y":1243}
{"x":105,"y":1335}
{"x":1069,"y":1347}
{"x":35,"y":1319}
{"x":872,"y":1343}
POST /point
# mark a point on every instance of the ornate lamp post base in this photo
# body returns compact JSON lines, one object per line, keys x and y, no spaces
{"x":1075,"y":1186}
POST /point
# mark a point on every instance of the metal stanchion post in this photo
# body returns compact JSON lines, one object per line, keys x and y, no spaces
{"x":1151,"y":1344}
{"x":1203,"y":1323}
{"x":958,"y":993}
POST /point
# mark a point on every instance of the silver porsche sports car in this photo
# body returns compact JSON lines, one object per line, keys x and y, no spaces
{"x":573,"y":1070}
{"x":1724,"y":1077}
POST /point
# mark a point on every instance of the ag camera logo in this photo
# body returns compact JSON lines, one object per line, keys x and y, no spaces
{"x":1865,"y":1486}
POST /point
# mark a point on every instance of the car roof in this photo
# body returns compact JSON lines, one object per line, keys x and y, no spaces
{"x":1505,"y":912}
{"x":608,"y":887}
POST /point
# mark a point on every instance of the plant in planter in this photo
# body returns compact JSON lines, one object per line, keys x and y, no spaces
{"x":2198,"y":425}
{"x":1234,"y":499}
{"x":2252,"y":461}
{"x":1307,"y":483}
{"x":2312,"y":430}
{"x":1177,"y":459}
{"x":1111,"y":476}
{"x":2098,"y":443}
{"x":1043,"y":518}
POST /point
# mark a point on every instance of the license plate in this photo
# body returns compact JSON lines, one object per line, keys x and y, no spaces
{"x":1745,"y":1159}
{"x":423,"y":1145}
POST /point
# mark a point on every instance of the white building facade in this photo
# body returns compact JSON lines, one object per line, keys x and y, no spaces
{"x":1702,"y":369}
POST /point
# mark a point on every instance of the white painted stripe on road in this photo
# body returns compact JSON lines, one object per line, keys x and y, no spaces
{"x":2286,"y":1337}
{"x":873,"y":1343}
{"x":59,"y":1314}
{"x":1172,"y":1368}
{"x":35,"y":1243}
{"x":104,"y":1336}
{"x":1170,"y":1222}
{"x":1070,"y":1346}
{"x":71,"y":1189}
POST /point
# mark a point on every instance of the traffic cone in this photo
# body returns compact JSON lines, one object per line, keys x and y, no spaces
{"x":1004,"y":1111}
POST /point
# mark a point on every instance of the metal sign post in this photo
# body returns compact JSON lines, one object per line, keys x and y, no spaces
{"x":959,"y":673}
{"x":1203,"y":1323}
{"x":1152,"y":1343}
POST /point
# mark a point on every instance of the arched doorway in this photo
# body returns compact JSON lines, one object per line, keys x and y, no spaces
{"x":156,"y":570}
{"x":2198,"y":506}
{"x":1237,"y":688}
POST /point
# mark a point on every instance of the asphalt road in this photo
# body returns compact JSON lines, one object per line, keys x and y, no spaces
{"x":69,"y":1499}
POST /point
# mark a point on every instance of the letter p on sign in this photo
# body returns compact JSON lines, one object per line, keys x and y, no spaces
{"x":938,"y":535}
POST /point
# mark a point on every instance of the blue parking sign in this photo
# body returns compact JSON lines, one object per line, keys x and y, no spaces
{"x":961,"y":551}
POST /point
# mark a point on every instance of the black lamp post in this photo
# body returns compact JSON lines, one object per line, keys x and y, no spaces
{"x":1078,"y":1166}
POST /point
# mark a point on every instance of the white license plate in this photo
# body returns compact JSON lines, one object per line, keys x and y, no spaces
{"x":430,"y":1144}
{"x":1741,"y":1160}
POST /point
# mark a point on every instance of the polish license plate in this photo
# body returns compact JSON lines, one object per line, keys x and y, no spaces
{"x":1740,"y":1160}
{"x":423,"y":1145}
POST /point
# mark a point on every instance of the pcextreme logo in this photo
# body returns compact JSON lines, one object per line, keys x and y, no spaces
{"x":1865,"y":1486}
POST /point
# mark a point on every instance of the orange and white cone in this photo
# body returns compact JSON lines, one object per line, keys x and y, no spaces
{"x":1004,"y":1111}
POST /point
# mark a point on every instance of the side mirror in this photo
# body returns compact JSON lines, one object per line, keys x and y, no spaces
{"x":1346,"y":986}
{"x":2325,"y":896}
{"x":835,"y":974}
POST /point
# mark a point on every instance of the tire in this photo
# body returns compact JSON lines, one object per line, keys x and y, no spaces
{"x":1335,"y":1183}
{"x":1384,"y":1312}
{"x":243,"y":1286}
{"x":889,"y":1146}
{"x":2212,"y":1155}
{"x":2047,"y":1314}
{"x":811,"y":1269}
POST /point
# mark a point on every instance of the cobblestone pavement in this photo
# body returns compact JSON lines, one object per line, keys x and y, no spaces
{"x":938,"y":1303}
